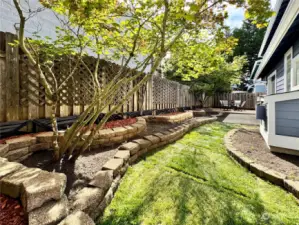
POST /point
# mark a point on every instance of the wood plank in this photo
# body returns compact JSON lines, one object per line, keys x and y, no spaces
{"x":2,"y":79}
{"x":12,"y":79}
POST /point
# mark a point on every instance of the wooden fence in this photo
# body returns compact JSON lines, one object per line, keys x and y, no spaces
{"x":22,"y":96}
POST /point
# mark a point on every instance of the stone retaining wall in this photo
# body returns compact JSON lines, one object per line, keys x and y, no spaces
{"x":20,"y":148}
{"x":42,"y":192}
{"x":177,"y":118}
{"x":258,"y":169}
{"x":93,"y":199}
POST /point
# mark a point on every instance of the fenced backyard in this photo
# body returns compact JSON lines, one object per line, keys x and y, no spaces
{"x":22,"y":97}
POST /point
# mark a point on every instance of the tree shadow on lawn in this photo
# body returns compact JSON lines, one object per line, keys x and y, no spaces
{"x":185,"y":186}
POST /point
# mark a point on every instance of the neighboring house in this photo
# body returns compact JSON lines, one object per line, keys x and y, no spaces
{"x":279,"y":67}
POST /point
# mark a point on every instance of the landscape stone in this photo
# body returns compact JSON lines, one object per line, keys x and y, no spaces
{"x":113,"y":164}
{"x":105,"y":133}
{"x":11,"y":185}
{"x":77,"y":218}
{"x":44,"y":137}
{"x":3,"y":160}
{"x":87,"y":199}
{"x":133,"y":159}
{"x":39,"y":147}
{"x":3,"y":149}
{"x":102,"y":179}
{"x":140,"y":127}
{"x":163,"y":137}
{"x":103,"y":204}
{"x":8,"y":168}
{"x":13,"y":155}
{"x":50,"y":213}
{"x":292,"y":186}
{"x":131,"y":129}
{"x":131,"y":146}
{"x":44,"y":187}
{"x":152,"y":138}
{"x":120,"y":131}
{"x":275,"y":177}
{"x":125,"y":155}
{"x":20,"y":142}
{"x":116,"y":139}
{"x":258,"y":169}
{"x":143,"y":143}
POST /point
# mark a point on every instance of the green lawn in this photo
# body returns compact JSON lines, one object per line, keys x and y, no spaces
{"x":194,"y":181}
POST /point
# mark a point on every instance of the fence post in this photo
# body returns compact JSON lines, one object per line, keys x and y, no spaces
{"x":12,"y":79}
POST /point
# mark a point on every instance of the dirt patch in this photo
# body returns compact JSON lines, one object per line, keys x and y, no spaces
{"x":11,"y":212}
{"x":252,"y":144}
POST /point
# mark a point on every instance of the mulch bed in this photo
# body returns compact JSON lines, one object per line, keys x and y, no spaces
{"x":110,"y":124}
{"x":252,"y":144}
{"x":11,"y":212}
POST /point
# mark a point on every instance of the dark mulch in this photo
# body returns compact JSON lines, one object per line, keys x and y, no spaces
{"x":252,"y":144}
{"x":11,"y":212}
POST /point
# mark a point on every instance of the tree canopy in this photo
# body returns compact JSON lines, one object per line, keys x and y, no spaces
{"x":139,"y":33}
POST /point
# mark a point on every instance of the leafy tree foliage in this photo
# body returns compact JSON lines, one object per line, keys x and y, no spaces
{"x":135,"y":32}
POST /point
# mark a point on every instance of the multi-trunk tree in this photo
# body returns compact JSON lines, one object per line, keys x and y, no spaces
{"x":132,"y":32}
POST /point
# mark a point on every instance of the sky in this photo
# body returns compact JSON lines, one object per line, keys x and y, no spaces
{"x":236,"y":15}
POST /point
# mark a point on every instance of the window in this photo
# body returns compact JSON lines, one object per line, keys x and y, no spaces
{"x":288,"y":69}
{"x":272,"y":83}
{"x":295,"y":79}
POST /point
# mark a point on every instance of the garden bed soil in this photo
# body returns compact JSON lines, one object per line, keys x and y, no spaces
{"x":11,"y":212}
{"x":252,"y":144}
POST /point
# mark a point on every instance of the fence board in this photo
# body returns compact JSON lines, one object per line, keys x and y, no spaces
{"x":12,"y":79}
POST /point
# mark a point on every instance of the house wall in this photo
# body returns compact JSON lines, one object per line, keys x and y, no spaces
{"x":287,"y":118}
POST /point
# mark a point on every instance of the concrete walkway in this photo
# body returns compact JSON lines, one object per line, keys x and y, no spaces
{"x":240,"y":118}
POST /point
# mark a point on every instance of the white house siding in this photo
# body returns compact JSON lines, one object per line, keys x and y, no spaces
{"x":287,"y":118}
{"x":280,"y":77}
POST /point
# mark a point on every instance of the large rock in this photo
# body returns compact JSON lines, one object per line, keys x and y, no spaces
{"x":20,"y":142}
{"x":42,"y":188}
{"x":11,"y":184}
{"x":143,"y":143}
{"x":16,"y":154}
{"x":44,"y":137}
{"x":77,"y":218}
{"x":3,"y":149}
{"x":131,"y":146}
{"x":103,"y":179}
{"x":87,"y":199}
{"x":8,"y":168}
{"x":114,"y":164}
{"x":50,"y":213}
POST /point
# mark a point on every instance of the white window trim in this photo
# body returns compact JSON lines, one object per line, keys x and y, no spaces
{"x":290,"y":51}
{"x":294,"y":87}
{"x":269,"y":80}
